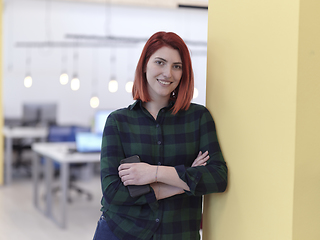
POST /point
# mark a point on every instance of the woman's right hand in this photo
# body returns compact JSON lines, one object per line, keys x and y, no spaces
{"x":201,"y":159}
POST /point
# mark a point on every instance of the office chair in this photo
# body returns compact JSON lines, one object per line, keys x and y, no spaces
{"x":67,"y":134}
{"x":19,"y":145}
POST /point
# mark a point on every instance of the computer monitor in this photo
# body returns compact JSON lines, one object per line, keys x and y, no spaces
{"x":100,"y":120}
{"x":88,"y":142}
{"x":39,"y":114}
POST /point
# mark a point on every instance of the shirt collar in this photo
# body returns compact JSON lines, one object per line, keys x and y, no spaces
{"x":135,"y":104}
{"x":138,"y":104}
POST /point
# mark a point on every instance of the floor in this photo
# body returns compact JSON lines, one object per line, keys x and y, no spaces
{"x":20,"y":220}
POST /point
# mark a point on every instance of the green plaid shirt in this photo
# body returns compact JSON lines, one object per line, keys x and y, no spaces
{"x":170,"y":140}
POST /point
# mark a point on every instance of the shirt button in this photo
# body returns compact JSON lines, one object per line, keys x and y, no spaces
{"x":157,"y":220}
{"x":159,"y":142}
{"x":157,"y":125}
{"x":159,"y":163}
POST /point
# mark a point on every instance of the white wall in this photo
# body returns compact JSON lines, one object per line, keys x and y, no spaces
{"x":38,"y":21}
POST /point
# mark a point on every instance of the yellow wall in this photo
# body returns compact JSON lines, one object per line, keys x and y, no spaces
{"x":1,"y":112}
{"x":261,"y":73}
{"x":306,"y":213}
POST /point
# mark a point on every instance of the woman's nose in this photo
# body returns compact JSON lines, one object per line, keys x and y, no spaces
{"x":167,"y":72}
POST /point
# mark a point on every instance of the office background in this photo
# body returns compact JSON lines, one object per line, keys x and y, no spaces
{"x":46,"y":38}
{"x":35,"y":43}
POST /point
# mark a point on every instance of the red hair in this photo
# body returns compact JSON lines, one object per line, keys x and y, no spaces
{"x":184,"y":91}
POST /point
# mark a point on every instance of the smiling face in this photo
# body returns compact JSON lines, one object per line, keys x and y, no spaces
{"x":163,"y":72}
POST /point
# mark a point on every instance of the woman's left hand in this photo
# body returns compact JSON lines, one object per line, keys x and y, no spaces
{"x":201,"y":159}
{"x":137,"y":173}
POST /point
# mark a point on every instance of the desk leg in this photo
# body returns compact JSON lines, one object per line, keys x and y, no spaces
{"x":35,"y":179}
{"x":64,"y":196}
{"x":48,"y":179}
{"x":8,"y":161}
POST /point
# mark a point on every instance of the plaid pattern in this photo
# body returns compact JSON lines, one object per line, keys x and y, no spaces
{"x":171,"y":140}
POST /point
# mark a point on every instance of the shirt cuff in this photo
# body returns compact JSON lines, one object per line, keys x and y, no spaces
{"x":191,"y":176}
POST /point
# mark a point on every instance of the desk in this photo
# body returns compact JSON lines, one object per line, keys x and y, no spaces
{"x":18,"y":132}
{"x":56,"y":152}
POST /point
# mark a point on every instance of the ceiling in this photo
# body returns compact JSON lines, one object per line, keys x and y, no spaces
{"x":153,"y":3}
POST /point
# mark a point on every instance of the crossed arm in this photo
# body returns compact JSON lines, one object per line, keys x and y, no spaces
{"x":163,"y":179}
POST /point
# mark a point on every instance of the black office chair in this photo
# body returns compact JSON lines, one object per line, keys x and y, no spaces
{"x":20,"y":145}
{"x":67,"y":134}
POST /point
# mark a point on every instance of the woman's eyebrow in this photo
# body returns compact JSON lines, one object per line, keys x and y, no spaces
{"x":160,"y":58}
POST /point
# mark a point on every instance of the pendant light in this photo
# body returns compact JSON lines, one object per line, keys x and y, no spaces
{"x":64,"y":78}
{"x":129,"y":86}
{"x":94,"y":101}
{"x":113,"y":83}
{"x":195,"y":93}
{"x":75,"y":82}
{"x":28,"y":79}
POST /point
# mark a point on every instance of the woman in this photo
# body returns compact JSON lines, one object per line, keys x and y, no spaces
{"x":173,"y":139}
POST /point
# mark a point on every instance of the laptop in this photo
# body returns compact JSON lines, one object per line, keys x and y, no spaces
{"x":88,"y":142}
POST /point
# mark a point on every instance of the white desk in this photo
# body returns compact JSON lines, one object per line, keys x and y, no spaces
{"x":18,"y":132}
{"x":56,"y":152}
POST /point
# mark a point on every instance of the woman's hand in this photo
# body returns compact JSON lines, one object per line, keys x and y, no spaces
{"x":137,"y":173}
{"x":144,"y":173}
{"x":201,"y":159}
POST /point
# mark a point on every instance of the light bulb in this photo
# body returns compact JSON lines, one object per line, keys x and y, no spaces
{"x":94,"y":102}
{"x":113,"y":86}
{"x":64,"y":78}
{"x":28,"y":81}
{"x":75,"y":84}
{"x":129,"y":86}
{"x":195,"y":93}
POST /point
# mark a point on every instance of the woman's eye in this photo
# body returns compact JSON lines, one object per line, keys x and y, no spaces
{"x":159,"y":62}
{"x":177,"y":66}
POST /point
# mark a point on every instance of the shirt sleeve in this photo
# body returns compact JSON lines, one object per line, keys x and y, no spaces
{"x":211,"y":178}
{"x":114,"y":192}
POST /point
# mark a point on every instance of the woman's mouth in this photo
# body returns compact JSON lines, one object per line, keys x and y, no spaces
{"x":163,"y":82}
